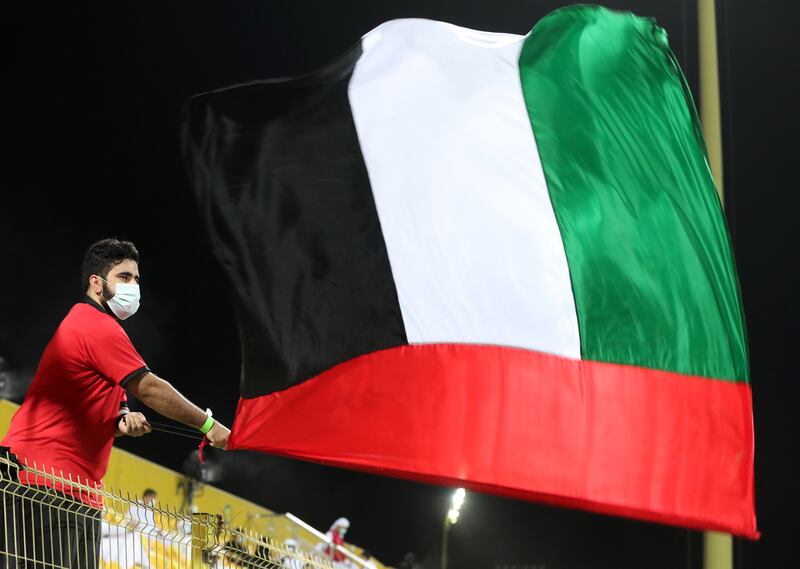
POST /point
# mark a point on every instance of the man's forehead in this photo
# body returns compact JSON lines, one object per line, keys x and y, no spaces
{"x":127,"y":266}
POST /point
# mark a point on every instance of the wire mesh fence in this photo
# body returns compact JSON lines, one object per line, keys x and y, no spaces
{"x":53,"y":521}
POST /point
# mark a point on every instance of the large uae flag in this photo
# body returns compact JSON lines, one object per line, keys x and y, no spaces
{"x":487,"y":260}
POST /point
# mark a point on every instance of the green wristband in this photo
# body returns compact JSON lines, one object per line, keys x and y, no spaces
{"x":208,"y":424}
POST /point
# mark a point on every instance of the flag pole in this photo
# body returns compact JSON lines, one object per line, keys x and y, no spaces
{"x":717,"y":547}
{"x":710,"y":115}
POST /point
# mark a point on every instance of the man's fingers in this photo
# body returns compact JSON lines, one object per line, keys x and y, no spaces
{"x":137,"y":425}
{"x":144,"y":427}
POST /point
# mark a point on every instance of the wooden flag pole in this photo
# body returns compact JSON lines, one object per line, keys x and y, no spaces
{"x":717,"y":547}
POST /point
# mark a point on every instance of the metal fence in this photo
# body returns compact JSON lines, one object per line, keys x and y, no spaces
{"x":53,"y":521}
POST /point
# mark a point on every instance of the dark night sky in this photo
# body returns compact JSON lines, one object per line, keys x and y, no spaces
{"x":93,"y":97}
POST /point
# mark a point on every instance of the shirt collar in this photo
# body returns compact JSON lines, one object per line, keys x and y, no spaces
{"x":90,"y":301}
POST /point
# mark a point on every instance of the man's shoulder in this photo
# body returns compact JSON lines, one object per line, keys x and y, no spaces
{"x":84,"y":318}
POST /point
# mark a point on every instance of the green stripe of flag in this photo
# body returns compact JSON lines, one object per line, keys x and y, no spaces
{"x":625,"y":164}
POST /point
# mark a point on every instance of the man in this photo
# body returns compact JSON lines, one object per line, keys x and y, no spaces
{"x":76,"y":405}
{"x":335,"y":536}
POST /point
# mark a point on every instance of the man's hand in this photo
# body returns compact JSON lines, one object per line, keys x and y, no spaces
{"x":218,"y":435}
{"x":134,"y":425}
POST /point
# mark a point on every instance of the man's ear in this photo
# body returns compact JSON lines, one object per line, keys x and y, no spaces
{"x":95,"y":284}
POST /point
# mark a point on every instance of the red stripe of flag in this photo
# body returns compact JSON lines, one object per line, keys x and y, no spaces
{"x":608,"y":438}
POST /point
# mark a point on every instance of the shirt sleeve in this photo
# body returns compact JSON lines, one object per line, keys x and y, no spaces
{"x":111,"y":353}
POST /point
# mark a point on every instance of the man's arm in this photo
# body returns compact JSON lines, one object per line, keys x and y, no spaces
{"x":160,"y":396}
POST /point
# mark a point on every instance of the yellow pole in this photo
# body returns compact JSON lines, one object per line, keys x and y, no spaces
{"x":709,"y":88}
{"x":717,"y":547}
{"x":717,"y":550}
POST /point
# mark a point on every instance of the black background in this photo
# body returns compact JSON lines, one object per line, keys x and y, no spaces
{"x":92,"y":96}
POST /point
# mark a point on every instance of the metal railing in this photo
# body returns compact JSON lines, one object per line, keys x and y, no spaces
{"x":53,"y":521}
{"x":352,"y":560}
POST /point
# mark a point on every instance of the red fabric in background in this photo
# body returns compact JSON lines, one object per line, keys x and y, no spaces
{"x":608,"y":438}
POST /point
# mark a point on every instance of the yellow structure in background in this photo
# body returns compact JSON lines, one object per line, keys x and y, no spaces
{"x":134,"y":474}
{"x":710,"y":114}
{"x":718,"y":547}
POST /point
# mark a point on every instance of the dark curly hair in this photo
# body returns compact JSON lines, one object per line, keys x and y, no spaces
{"x":103,"y":255}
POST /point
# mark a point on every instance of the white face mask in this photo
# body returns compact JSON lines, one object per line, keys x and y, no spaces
{"x":125,"y":301}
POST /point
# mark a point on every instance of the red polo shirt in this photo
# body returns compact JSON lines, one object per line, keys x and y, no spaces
{"x":69,"y":415}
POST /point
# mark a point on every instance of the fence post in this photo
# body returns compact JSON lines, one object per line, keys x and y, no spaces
{"x":203,"y":538}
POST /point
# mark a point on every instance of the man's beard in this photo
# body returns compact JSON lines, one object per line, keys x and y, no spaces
{"x":106,"y":295}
